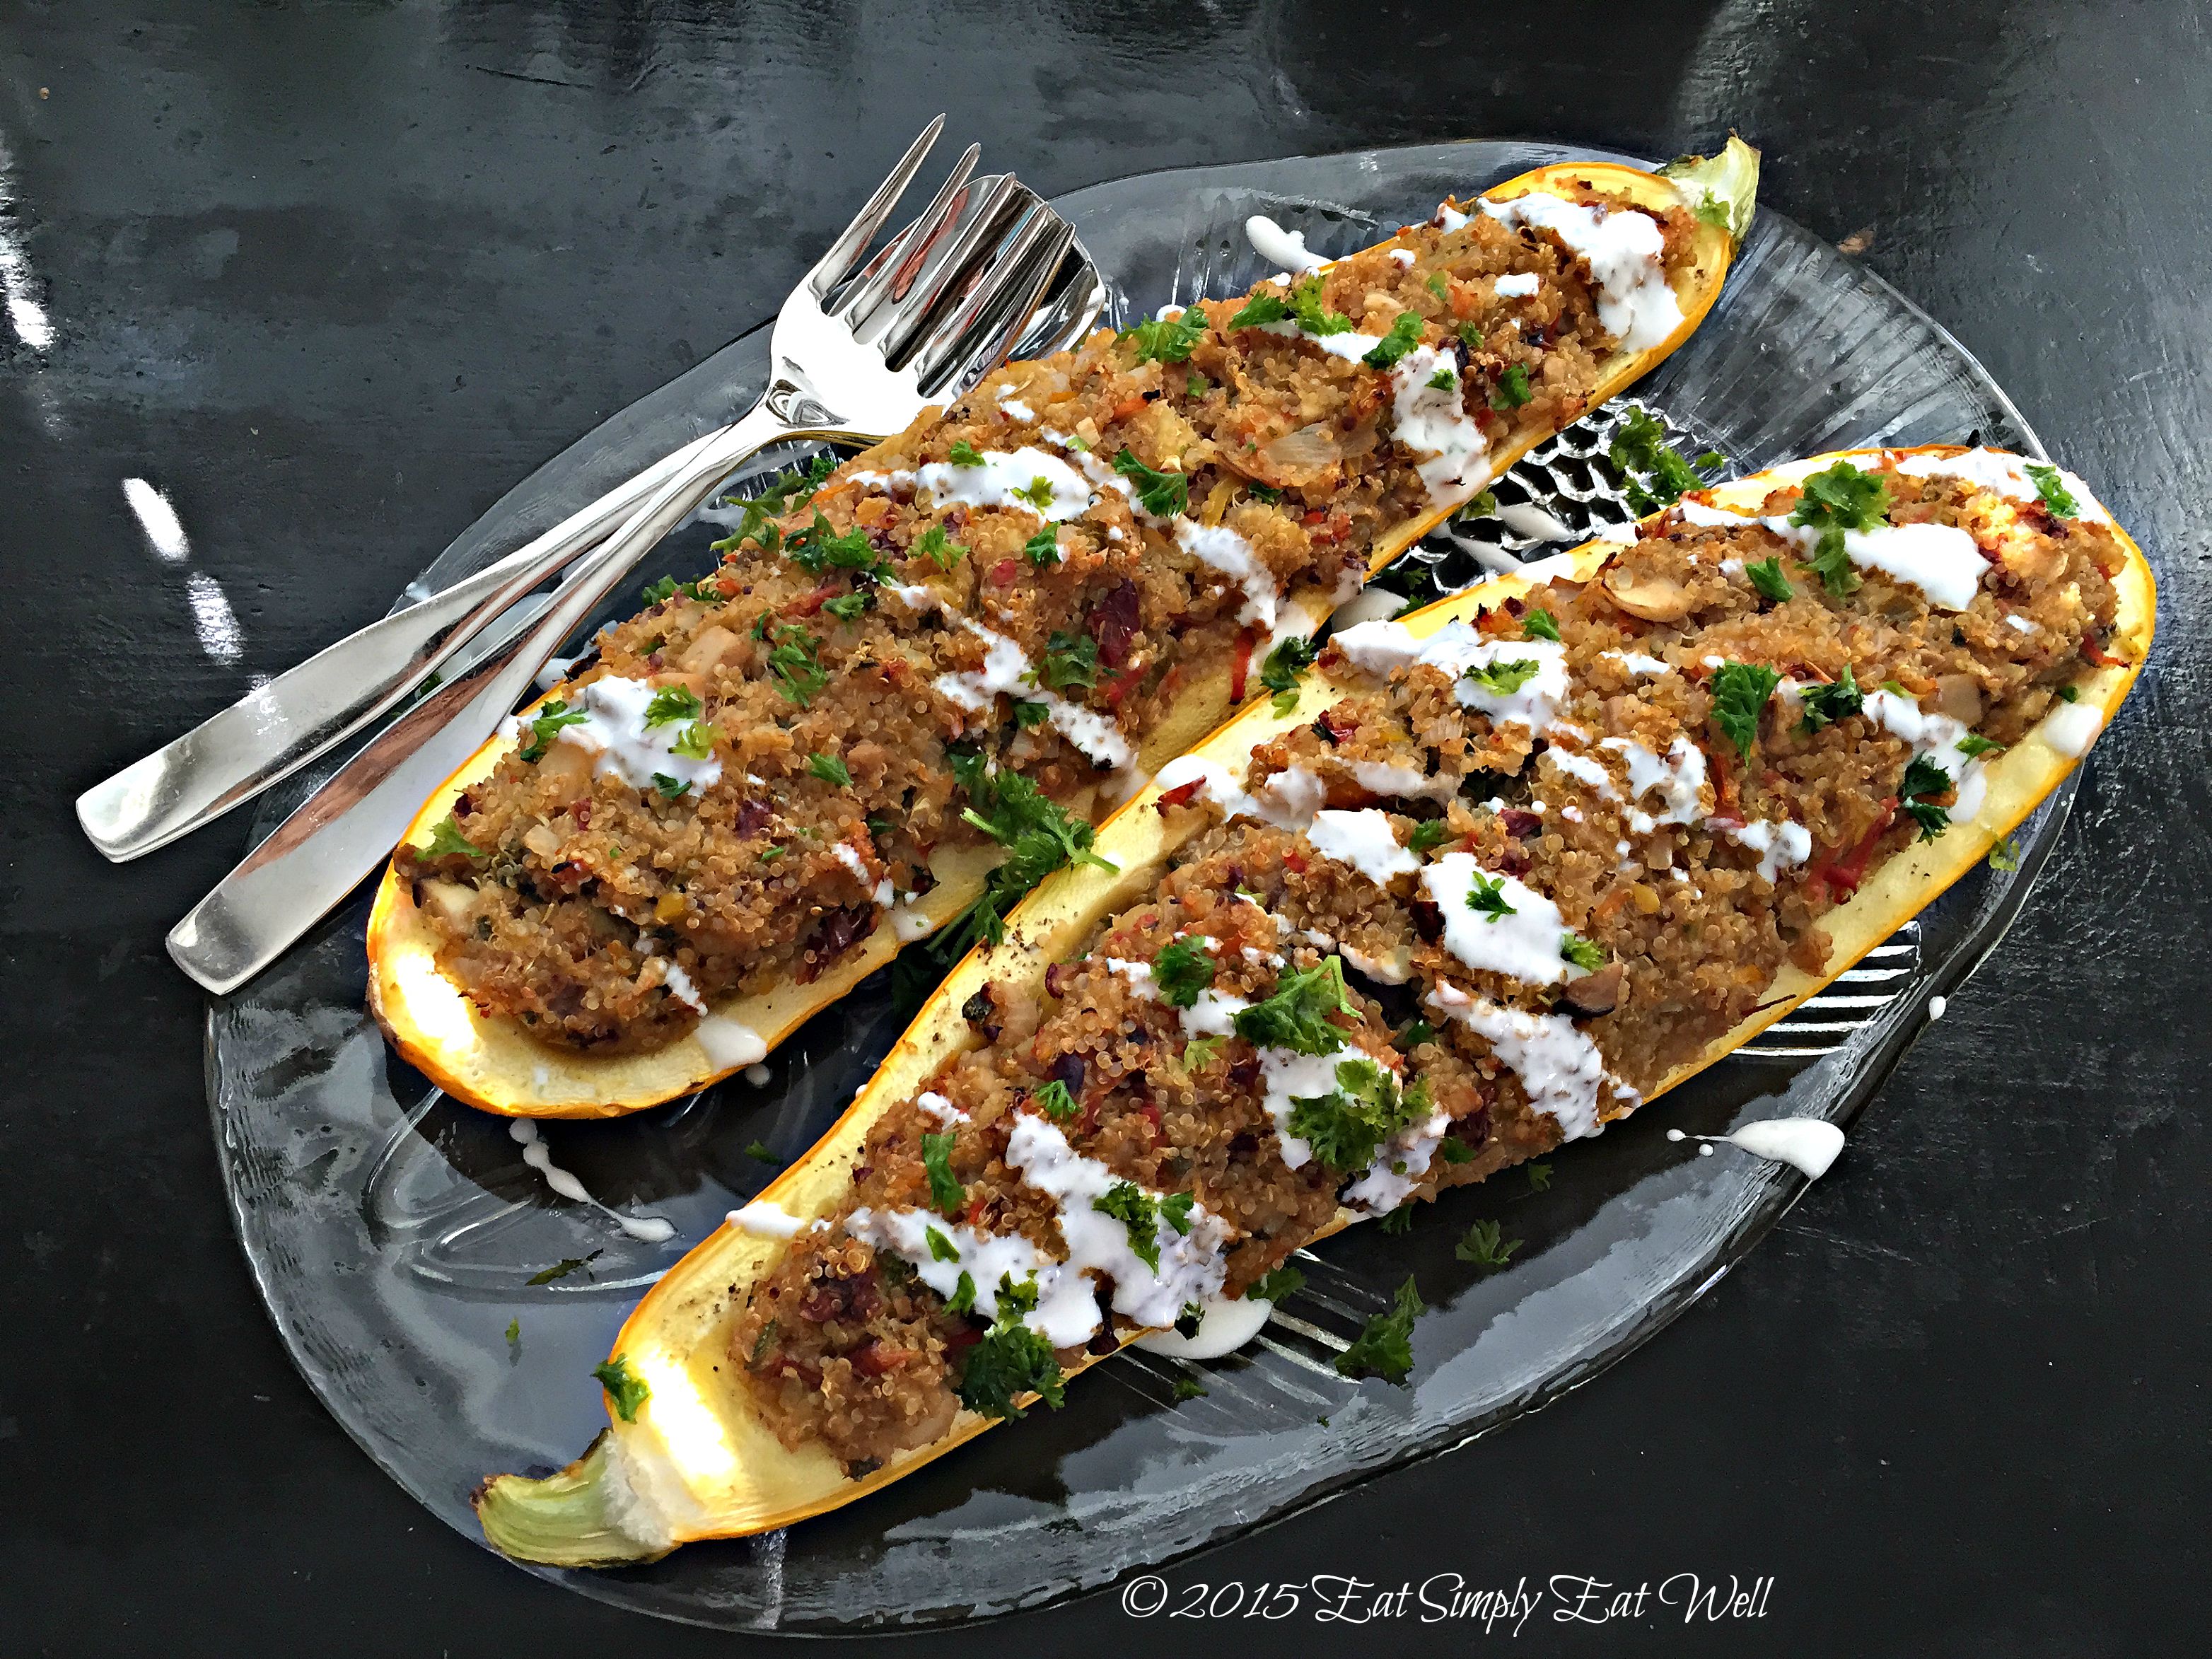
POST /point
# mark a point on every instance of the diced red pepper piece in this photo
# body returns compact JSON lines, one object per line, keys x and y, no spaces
{"x":1242,"y":666}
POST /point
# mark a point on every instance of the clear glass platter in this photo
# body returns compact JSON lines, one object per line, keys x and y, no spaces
{"x":404,"y":1247}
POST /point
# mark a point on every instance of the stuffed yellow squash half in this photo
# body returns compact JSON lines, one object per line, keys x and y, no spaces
{"x":918,"y":679}
{"x":1488,"y":878}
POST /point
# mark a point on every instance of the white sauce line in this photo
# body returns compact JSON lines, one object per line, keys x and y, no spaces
{"x":651,"y":1228}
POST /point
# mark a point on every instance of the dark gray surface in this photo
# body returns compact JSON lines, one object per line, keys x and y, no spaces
{"x":332,"y":276}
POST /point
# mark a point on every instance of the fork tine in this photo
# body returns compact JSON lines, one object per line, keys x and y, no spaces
{"x":997,"y":308}
{"x":903,"y":256}
{"x":951,"y":266}
{"x":833,"y":266}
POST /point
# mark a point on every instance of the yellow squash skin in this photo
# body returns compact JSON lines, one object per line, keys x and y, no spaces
{"x":698,"y":1462}
{"x":494,"y":1065}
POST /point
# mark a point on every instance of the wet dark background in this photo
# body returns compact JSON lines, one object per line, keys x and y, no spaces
{"x":332,"y":276}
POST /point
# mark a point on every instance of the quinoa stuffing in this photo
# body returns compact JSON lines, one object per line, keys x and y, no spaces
{"x":960,"y":643}
{"x":1515,"y":874}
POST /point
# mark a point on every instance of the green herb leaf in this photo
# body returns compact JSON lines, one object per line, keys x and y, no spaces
{"x":963,"y":1300}
{"x":1297,"y":1017}
{"x":1655,"y":473}
{"x":1182,"y":969}
{"x":514,"y":1332}
{"x":1397,"y":1221}
{"x":694,"y":741}
{"x":1739,"y":691}
{"x":941,"y":1249}
{"x":1175,"y":1210}
{"x":1010,"y":1360}
{"x":758,"y":1150}
{"x":1265,"y":306}
{"x":1038,"y":492}
{"x":1840,"y":499}
{"x":1405,"y":334}
{"x":1767,"y":576}
{"x":848,"y":607}
{"x":1540,"y":1176}
{"x":624,"y":1387}
{"x":1482,"y":1246}
{"x":1442,"y":381}
{"x":2068,"y":694}
{"x":790,"y":490}
{"x":1504,"y":678}
{"x":1259,"y":492}
{"x":2052,"y":489}
{"x":1487,"y":898}
{"x":946,"y":1191}
{"x":670,"y":704}
{"x":1921,"y":778}
{"x":1133,"y":1206}
{"x":1834,"y":701}
{"x":1512,"y":389}
{"x":940,"y":548}
{"x":553,"y":717}
{"x":819,"y":547}
{"x":1055,"y":1101}
{"x":1348,"y":1125}
{"x":1200,"y":1052}
{"x":564,"y":1267}
{"x":1170,"y":339}
{"x":1291,"y":657}
{"x":1278,"y":1284}
{"x":1385,"y":1347}
{"x":1453,"y":1151}
{"x":445,"y":838}
{"x":1540,"y":625}
{"x":1188,"y":1387}
{"x":1031,"y":716}
{"x":1163,"y":494}
{"x":1197,"y":386}
{"x":1429,"y":835}
{"x":1973,"y":745}
{"x":2005,"y":855}
{"x":669,"y":788}
{"x":795,"y":666}
{"x":1412,"y":1034}
{"x":965,"y":454}
{"x":830,"y":770}
{"x":1039,"y":837}
{"x":1311,"y":315}
{"x":1070,"y":659}
{"x":1043,"y":548}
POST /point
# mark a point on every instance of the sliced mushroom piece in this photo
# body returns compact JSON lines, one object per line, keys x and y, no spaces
{"x":1594,"y":993}
{"x":1959,"y":696}
{"x":1654,"y":598}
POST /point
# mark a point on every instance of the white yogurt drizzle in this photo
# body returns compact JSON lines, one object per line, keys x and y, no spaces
{"x":730,"y":1043}
{"x":1805,"y":1144}
{"x":1516,"y":287}
{"x":1943,"y":560}
{"x":1224,"y":551}
{"x":1006,"y":672}
{"x":1938,"y":737}
{"x":1622,"y":249}
{"x":1433,"y":421}
{"x":1523,"y":945}
{"x":535,"y":1153}
{"x":1278,"y":247}
{"x":992,"y":484}
{"x":1559,"y":1068}
{"x":2002,"y":475}
{"x":614,"y":732}
{"x":2072,"y":727}
{"x":1363,"y":839}
{"x":765,"y":1220}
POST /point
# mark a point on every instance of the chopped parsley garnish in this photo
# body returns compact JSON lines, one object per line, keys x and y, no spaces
{"x":1443,"y":381}
{"x":1439,"y":285}
{"x":1826,"y":703}
{"x":1038,"y":836}
{"x":1385,"y":1348}
{"x":1921,"y":778}
{"x":624,"y":1387}
{"x":1296,"y":1015}
{"x":1070,"y":659}
{"x":1539,"y":624}
{"x":669,"y":788}
{"x":1010,"y":1359}
{"x":671,"y":704}
{"x":1487,"y":898}
{"x":1043,"y":548}
{"x":694,"y":741}
{"x":848,"y":607}
{"x":1504,"y":678}
{"x":1197,"y":386}
{"x":1973,"y":745}
{"x":1585,"y":954}
{"x":1291,"y":657}
{"x":445,"y":838}
{"x":1182,"y":969}
{"x":797,"y":670}
{"x":1187,"y":1388}
{"x":1841,"y":499}
{"x":2005,"y":855}
{"x":668,"y":587}
{"x":963,"y":1300}
{"x":1163,"y":494}
{"x":793,"y":489}
{"x":2053,"y":491}
{"x":1031,"y":716}
{"x":758,"y":1150}
{"x":1767,"y":576}
{"x":1400,"y":1220}
{"x":1655,"y":473}
{"x":770,"y":855}
{"x":564,"y":1267}
{"x":946,"y":1191}
{"x":1038,"y":492}
{"x":1429,"y":835}
{"x":1453,"y":1151}
{"x":818,"y":547}
{"x":1311,"y":316}
{"x":1133,"y":1206}
{"x":965,"y":454}
{"x":553,"y":716}
{"x":1175,"y":1210}
{"x":2068,"y":694}
{"x":1259,"y":492}
{"x":941,"y":1249}
{"x":1712,"y":210}
{"x":1414,"y":1033}
{"x":514,"y":1332}
{"x":1482,"y":1246}
{"x":940,"y":548}
{"x":830,"y":770}
{"x":1277,"y":1284}
{"x":1405,"y":334}
{"x":1540,"y":1176}
{"x":1348,"y":1125}
{"x":1168,"y":339}
{"x":1512,"y":388}
{"x":1055,"y":1101}
{"x":1739,"y":691}
{"x":1200,"y":1051}
{"x":1261,"y":309}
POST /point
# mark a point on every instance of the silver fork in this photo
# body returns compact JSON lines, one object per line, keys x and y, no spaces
{"x":305,"y":712}
{"x":856,"y":353}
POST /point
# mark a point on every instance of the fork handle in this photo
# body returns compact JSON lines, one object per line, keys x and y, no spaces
{"x":280,"y":727}
{"x":313,"y":859}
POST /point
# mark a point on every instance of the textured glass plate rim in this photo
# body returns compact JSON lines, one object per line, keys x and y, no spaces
{"x":1895,"y":1027}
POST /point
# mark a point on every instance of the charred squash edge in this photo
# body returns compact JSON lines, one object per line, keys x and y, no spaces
{"x":698,"y":1463}
{"x":495,"y":1065}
